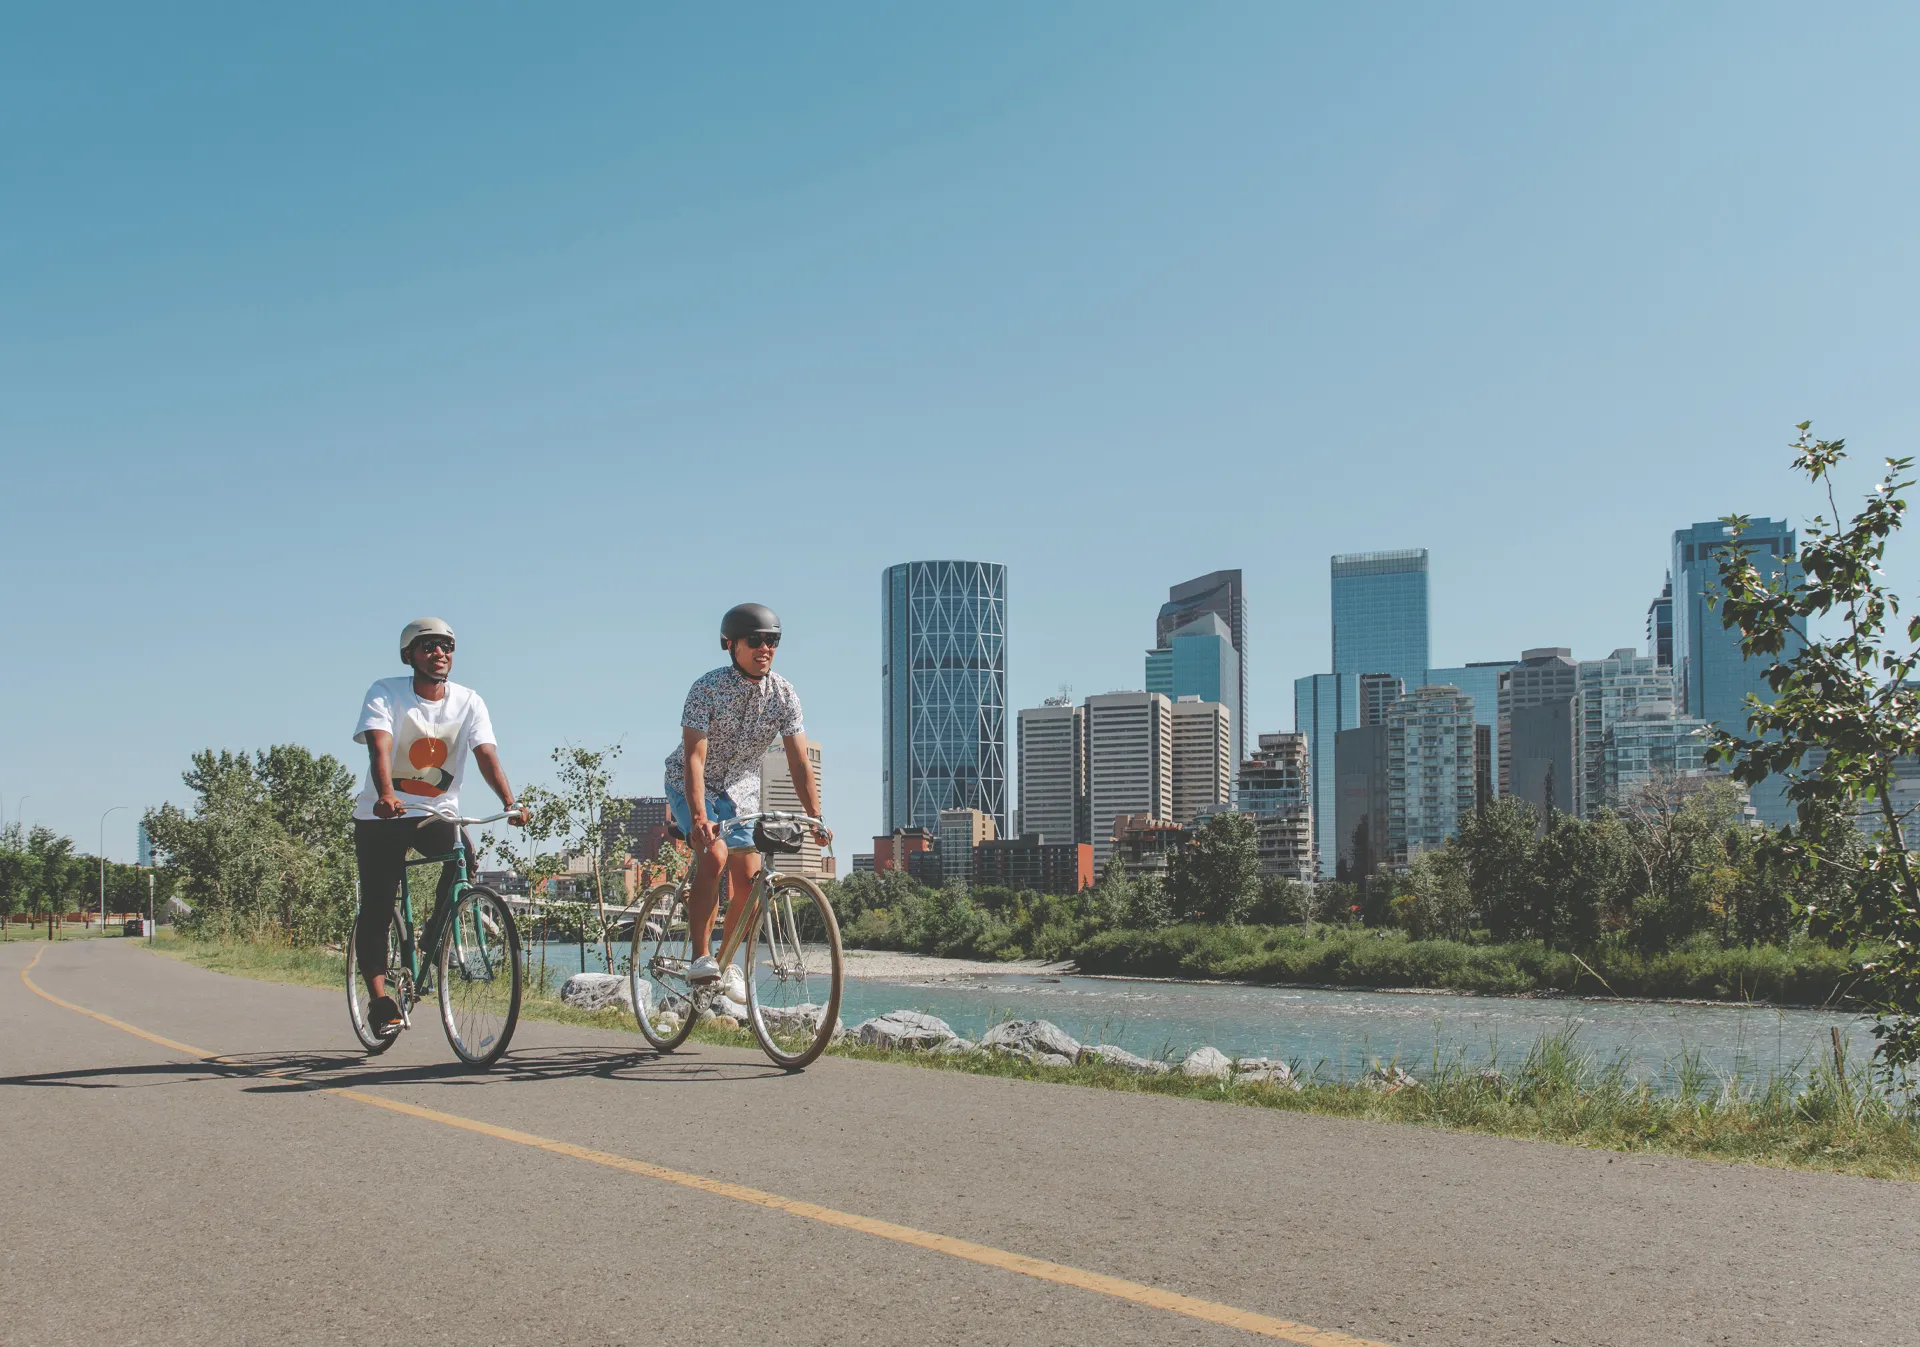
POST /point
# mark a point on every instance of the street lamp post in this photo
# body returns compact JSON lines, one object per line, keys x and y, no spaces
{"x":103,"y":866}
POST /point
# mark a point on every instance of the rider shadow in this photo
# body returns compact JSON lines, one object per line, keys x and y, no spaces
{"x":294,"y":1072}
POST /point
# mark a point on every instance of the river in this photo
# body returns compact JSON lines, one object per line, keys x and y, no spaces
{"x":1339,"y":1033}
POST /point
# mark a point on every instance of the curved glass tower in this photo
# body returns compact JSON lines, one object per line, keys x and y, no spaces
{"x":943,"y":677}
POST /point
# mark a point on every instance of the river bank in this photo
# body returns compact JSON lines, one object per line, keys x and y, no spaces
{"x":1809,"y":1116}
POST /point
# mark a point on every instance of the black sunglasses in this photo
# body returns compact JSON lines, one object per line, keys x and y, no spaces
{"x":759,"y":642}
{"x":428,"y":645}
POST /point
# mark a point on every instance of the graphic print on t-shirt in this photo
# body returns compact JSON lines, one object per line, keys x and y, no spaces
{"x":420,"y":755}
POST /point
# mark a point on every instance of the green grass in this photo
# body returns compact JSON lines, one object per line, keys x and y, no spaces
{"x":1822,"y":1119}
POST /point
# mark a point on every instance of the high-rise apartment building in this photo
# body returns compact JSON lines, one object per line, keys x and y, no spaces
{"x":1547,"y":674}
{"x":1609,"y":688}
{"x":1053,"y":771}
{"x":1429,"y":770}
{"x":1202,"y":759}
{"x":1324,"y":705}
{"x":1380,"y":614}
{"x":943,"y":679}
{"x":640,"y":824}
{"x":778,"y":793}
{"x":961,"y":830}
{"x":1033,"y":865}
{"x":1129,"y":762}
{"x":1378,"y":691}
{"x":1660,"y":625}
{"x":1223,"y":594}
{"x":1199,"y":660}
{"x":1480,"y":681}
{"x":1714,"y":677}
{"x":1275,"y":787}
{"x":1649,"y":740}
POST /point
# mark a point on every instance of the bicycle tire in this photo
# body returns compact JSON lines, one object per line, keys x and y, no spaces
{"x":480,"y":950}
{"x":359,"y":998}
{"x":656,"y":961}
{"x":793,"y":952}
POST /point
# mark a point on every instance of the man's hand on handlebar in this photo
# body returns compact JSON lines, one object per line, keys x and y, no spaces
{"x":705,"y":833}
{"x":389,"y":806}
{"x":519,"y":815}
{"x":823,"y":834}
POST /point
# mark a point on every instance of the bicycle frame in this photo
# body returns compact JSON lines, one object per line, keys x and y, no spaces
{"x":410,"y":948}
{"x":757,"y":894}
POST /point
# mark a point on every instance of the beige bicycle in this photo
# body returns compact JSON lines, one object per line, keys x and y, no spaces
{"x":791,"y":950}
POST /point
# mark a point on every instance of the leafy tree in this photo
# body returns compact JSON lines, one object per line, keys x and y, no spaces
{"x":1496,"y":845}
{"x":1582,"y":873}
{"x":1433,"y":900}
{"x":1215,"y":876}
{"x":1676,"y":828}
{"x":1845,"y":711}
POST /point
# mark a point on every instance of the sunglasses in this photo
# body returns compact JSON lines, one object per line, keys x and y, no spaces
{"x":433,"y":645}
{"x":761,"y":642}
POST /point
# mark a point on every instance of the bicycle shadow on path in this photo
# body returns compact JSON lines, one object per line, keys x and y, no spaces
{"x":296,"y":1072}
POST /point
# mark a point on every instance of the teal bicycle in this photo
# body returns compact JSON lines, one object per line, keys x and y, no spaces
{"x":472,"y":944}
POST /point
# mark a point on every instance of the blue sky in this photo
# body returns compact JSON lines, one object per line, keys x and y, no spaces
{"x":575,"y":324}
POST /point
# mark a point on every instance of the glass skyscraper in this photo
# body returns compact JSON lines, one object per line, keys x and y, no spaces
{"x":1323,"y":705}
{"x":1199,"y":660}
{"x":1380,"y":614}
{"x":1223,"y":594}
{"x":1712,"y":675}
{"x":944,"y":691}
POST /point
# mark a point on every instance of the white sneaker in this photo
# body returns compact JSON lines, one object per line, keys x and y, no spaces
{"x":703,"y":969}
{"x":733,"y":984}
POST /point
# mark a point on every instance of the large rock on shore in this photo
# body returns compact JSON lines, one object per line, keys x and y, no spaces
{"x":1264,"y":1071}
{"x":598,"y":991}
{"x":1107,"y":1054}
{"x":907,"y":1029}
{"x":1207,"y":1064}
{"x":1039,"y":1041}
{"x":805,"y":1018}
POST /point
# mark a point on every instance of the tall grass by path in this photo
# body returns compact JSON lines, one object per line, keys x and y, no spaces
{"x":1819,"y":1115}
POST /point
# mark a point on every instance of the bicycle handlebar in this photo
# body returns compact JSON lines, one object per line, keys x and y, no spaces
{"x":449,"y":818}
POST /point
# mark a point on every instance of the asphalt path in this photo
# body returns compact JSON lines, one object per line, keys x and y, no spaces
{"x":589,"y":1191}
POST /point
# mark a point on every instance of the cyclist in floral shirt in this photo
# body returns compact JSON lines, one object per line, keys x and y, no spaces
{"x":732,"y":717}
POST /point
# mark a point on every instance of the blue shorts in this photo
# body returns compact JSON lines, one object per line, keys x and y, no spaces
{"x":720,"y":808}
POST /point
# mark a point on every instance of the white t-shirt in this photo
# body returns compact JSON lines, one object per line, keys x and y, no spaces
{"x":431,"y":741}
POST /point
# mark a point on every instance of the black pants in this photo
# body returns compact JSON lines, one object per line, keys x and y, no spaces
{"x":380,"y":847}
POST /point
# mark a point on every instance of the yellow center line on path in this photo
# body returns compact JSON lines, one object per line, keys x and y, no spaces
{"x":1119,"y":1288}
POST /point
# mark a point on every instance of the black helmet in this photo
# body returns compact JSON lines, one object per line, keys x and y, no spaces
{"x":749,"y":619}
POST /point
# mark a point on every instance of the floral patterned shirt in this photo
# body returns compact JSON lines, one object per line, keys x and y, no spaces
{"x":742,"y":718}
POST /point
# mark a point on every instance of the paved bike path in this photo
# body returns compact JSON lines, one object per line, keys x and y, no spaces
{"x":164,"y":1200}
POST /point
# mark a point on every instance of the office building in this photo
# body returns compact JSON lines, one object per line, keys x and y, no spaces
{"x":961,"y":830}
{"x":1483,"y":756}
{"x":1712,"y":674}
{"x":1223,"y":594}
{"x":863,"y":862}
{"x":1031,"y":864}
{"x":1479,"y":681}
{"x":944,"y":691}
{"x":1544,"y":675}
{"x":1202,"y":759}
{"x":1053,"y":771}
{"x":1378,"y":691}
{"x":1276,"y":788}
{"x":1660,"y":625}
{"x":777,"y":792}
{"x":1199,"y":660}
{"x":1360,"y":800}
{"x":640,"y":824}
{"x":896,"y":850}
{"x":1905,"y":799}
{"x":1129,"y":762}
{"x":1429,"y":770}
{"x":1650,"y":741}
{"x":1543,"y":743}
{"x":1380,"y":614}
{"x":1323,"y":705}
{"x":1609,"y":688}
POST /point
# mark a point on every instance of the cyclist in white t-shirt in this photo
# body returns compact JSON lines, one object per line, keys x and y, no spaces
{"x":418,"y":730}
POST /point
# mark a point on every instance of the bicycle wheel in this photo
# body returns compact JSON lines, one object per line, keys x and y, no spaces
{"x":793,"y":973}
{"x":480,"y":976}
{"x":663,"y":1000}
{"x":359,"y":999}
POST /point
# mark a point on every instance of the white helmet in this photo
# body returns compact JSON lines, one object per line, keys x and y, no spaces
{"x":421,"y":626}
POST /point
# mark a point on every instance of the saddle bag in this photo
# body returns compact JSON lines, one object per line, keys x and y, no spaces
{"x":779,"y":835}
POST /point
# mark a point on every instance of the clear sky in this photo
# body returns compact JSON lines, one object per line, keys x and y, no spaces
{"x":575,"y":324}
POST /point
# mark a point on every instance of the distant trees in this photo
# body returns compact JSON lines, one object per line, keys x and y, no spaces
{"x":41,"y":873}
{"x":267,"y":845}
{"x":1215,"y":875}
